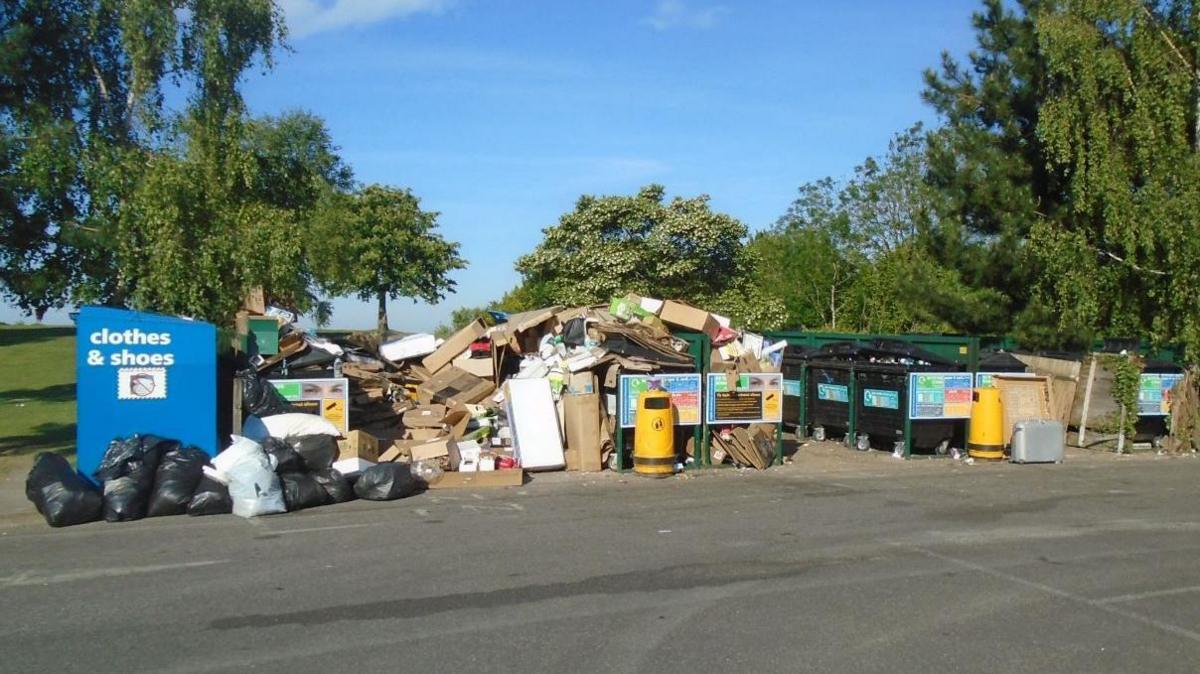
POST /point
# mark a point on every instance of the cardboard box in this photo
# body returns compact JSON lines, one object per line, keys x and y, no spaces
{"x":255,"y":301}
{"x":435,"y":449}
{"x":453,"y":386}
{"x":480,"y":367}
{"x":451,"y":348}
{"x":422,"y":433}
{"x":582,"y":421}
{"x":684,"y":315}
{"x":425,"y":416}
{"x":581,"y":382}
{"x":359,"y":445}
{"x":510,"y":477}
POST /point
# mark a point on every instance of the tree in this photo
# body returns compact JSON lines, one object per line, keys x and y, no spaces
{"x":611,"y":245}
{"x":378,"y":244}
{"x":1121,"y":121}
{"x":84,"y":124}
{"x":987,"y":161}
{"x":807,"y":260}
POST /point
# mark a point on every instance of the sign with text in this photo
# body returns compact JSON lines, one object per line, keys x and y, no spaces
{"x":1154,"y":393}
{"x":757,"y":398}
{"x":881,"y":398}
{"x":940,"y":395}
{"x":984,"y":379}
{"x":143,"y":373}
{"x":834,"y":393}
{"x":329,"y":398}
{"x":684,"y":389}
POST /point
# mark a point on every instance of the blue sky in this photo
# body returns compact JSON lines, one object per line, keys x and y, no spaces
{"x":500,"y":113}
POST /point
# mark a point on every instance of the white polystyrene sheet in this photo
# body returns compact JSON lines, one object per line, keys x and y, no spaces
{"x":533,"y":419}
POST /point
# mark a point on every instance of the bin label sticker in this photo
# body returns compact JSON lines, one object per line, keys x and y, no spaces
{"x":142,"y":383}
{"x":791,"y":387}
{"x":940,"y":395}
{"x":328,"y":398}
{"x":1154,"y":393}
{"x":888,"y":400}
{"x":984,"y":379}
{"x":684,"y":390}
{"x":833,"y":392}
{"x":757,"y":398}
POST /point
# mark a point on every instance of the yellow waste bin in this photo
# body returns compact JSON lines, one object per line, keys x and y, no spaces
{"x":986,"y":438}
{"x":654,"y":435}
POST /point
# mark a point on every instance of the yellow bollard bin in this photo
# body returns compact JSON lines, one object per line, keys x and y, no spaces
{"x":654,"y":435}
{"x":986,"y":438}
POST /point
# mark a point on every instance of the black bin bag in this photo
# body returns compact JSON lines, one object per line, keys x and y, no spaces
{"x":127,"y":471}
{"x":60,"y":494}
{"x":318,"y":451}
{"x":179,"y":471}
{"x":287,"y":459}
{"x":211,"y":498}
{"x":385,"y":482}
{"x":336,"y":485}
{"x":301,"y":490}
{"x":260,"y":398}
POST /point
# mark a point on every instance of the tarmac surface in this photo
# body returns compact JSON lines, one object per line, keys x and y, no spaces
{"x":838,"y":562}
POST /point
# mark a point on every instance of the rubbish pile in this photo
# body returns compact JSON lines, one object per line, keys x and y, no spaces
{"x":327,"y":420}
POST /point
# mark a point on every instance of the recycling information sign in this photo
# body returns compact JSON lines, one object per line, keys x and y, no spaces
{"x":756,"y":398}
{"x":684,"y":390}
{"x":1154,"y":393}
{"x":940,"y":395}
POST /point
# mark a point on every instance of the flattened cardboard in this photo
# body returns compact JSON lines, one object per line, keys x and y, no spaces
{"x":582,"y":420}
{"x":453,"y":386}
{"x":480,"y":367}
{"x":684,"y":315}
{"x":451,"y":348}
{"x":509,"y":477}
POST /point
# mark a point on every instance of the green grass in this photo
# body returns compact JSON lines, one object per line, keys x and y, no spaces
{"x":37,"y":393}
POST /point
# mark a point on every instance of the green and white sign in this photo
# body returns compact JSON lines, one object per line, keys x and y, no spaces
{"x":888,"y":400}
{"x":836,"y":393}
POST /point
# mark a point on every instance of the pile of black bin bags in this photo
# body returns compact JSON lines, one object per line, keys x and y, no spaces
{"x":149,"y":476}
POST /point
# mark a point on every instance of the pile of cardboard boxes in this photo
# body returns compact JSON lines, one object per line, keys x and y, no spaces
{"x":523,"y":392}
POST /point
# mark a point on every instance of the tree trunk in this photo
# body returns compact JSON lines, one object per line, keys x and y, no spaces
{"x":383,"y":322}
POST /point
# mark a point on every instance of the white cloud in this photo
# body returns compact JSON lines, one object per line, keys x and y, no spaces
{"x":670,"y":14}
{"x":306,"y":17}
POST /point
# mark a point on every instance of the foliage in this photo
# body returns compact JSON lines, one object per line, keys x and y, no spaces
{"x":611,"y":245}
{"x":386,"y":247}
{"x":987,"y":163}
{"x":1126,"y":384}
{"x":82,"y":114}
{"x":1120,"y":120}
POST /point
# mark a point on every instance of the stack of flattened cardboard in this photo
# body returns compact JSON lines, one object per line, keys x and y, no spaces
{"x":747,"y":447}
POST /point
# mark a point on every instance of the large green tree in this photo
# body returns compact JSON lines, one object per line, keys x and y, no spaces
{"x":680,"y":249}
{"x":1120,"y":120}
{"x":988,"y":164}
{"x":107,"y":194}
{"x":378,"y":244}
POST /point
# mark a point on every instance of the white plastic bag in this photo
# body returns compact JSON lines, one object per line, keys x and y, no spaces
{"x":291,"y":425}
{"x":253,"y":485}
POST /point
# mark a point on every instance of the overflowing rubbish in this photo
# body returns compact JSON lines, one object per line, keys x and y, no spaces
{"x":60,"y":494}
{"x":658,"y":386}
{"x":210,"y":498}
{"x":179,"y":472}
{"x":385,"y":482}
